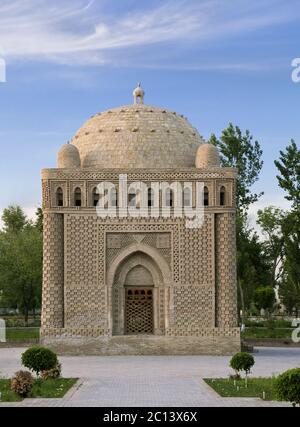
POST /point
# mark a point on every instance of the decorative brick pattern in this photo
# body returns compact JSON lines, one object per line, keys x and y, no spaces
{"x":226,"y":300}
{"x":53,"y":271}
{"x":196,"y":254}
{"x":85,"y":294}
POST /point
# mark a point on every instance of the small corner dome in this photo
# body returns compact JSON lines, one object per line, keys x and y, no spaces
{"x":68,"y":157}
{"x":207,"y":157}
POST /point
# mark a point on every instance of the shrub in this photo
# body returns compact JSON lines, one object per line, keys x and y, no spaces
{"x":242,"y":362}
{"x":22,"y":383}
{"x":52,"y":373}
{"x":39,"y":359}
{"x":287,"y":386}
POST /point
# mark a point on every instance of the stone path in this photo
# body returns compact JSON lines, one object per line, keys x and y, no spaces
{"x":151,"y":381}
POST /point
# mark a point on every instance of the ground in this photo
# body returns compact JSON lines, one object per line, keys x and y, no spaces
{"x":151,"y":381}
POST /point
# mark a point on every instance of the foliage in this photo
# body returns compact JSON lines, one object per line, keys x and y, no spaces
{"x":20,"y":262}
{"x":288,"y":386}
{"x":52,"y":373}
{"x":270,"y":220}
{"x":238,"y":150}
{"x":288,"y":166}
{"x":242,"y":362}
{"x":253,"y":266}
{"x":264,"y":297}
{"x":22,"y":383}
{"x":14,"y":219}
{"x":39,"y":359}
{"x":289,"y":287}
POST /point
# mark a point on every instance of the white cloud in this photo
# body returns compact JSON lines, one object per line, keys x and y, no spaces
{"x":83,"y":32}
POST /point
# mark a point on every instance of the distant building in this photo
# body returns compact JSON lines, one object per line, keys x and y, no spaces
{"x":139,"y":284}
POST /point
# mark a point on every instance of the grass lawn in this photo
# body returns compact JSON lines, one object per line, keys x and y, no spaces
{"x":46,"y":389}
{"x":22,"y":334}
{"x":254,"y":332}
{"x":256,"y":386}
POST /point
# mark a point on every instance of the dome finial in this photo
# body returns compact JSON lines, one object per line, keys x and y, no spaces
{"x":138,"y":94}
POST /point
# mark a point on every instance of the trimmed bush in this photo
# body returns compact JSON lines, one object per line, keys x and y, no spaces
{"x":22,"y":383}
{"x":39,"y":359}
{"x":242,"y":362}
{"x":52,"y":373}
{"x":287,"y":386}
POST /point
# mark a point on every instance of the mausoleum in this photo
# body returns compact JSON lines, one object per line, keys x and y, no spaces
{"x":124,"y":271}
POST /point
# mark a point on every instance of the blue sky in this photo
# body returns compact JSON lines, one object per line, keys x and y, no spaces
{"x":214,"y":61}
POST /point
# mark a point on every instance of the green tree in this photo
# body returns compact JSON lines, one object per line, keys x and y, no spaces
{"x":238,"y":150}
{"x":21,"y":266}
{"x":14,"y":219}
{"x":289,"y":287}
{"x":289,"y":179}
{"x":270,"y":220}
{"x":39,"y":219}
{"x":253,"y":267}
{"x":288,"y":166}
{"x":264,"y":297}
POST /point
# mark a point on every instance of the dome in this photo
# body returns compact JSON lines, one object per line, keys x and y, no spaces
{"x":137,"y":136}
{"x":207,"y":157}
{"x":68,"y":157}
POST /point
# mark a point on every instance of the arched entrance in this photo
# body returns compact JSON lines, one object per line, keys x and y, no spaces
{"x":139,"y":288}
{"x":139,"y":281}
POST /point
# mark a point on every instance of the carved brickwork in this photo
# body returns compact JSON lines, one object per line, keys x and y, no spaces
{"x":226,"y":299}
{"x":197,"y":266}
{"x":85,"y":293}
{"x":53,"y":271}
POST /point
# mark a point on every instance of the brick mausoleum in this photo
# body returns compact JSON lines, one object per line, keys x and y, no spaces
{"x":137,"y":284}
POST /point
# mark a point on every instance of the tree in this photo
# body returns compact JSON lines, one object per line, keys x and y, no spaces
{"x":239,"y":151}
{"x":288,"y":166}
{"x":253,"y":267}
{"x":14,"y":219}
{"x":21,"y":265}
{"x":289,"y":179}
{"x":264,"y":297}
{"x":270,"y":220}
{"x":39,"y":219}
{"x":289,"y":288}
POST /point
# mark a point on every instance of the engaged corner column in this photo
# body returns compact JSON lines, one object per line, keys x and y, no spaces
{"x":53,"y":271}
{"x":226,"y":285}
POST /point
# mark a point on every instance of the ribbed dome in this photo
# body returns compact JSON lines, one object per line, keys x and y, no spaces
{"x":68,"y":157}
{"x":207,"y":157}
{"x":137,"y":136}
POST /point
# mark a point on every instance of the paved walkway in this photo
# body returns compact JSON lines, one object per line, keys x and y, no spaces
{"x":151,"y":381}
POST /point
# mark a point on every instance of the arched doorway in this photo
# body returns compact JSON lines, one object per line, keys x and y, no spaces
{"x":139,"y":293}
{"x":139,"y":313}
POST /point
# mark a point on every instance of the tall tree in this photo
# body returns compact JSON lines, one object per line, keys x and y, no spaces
{"x":238,"y":150}
{"x":270,"y":220}
{"x":289,"y":179}
{"x":14,"y":219}
{"x":288,"y":166}
{"x":21,"y":264}
{"x":289,"y":288}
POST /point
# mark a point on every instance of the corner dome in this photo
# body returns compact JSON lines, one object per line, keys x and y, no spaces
{"x":207,"y":157}
{"x":68,"y":157}
{"x":137,"y":136}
